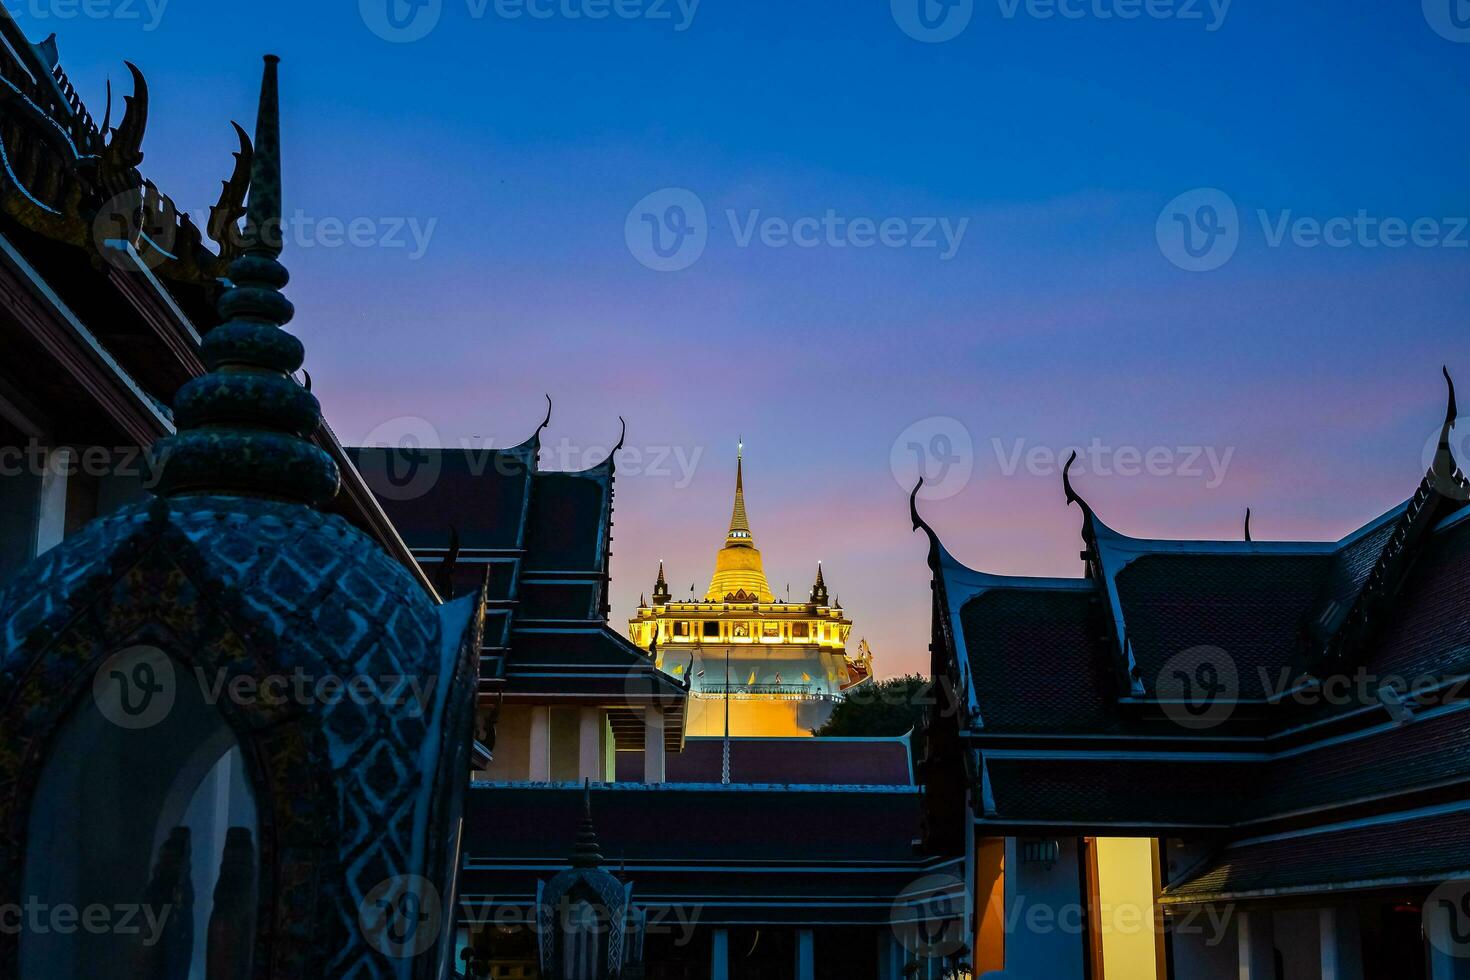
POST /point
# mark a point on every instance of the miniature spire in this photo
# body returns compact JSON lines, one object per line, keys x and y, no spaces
{"x":245,"y":427}
{"x":661,"y":593}
{"x":739,"y":524}
{"x":1444,"y":469}
{"x":819,"y":590}
{"x":586,"y":854}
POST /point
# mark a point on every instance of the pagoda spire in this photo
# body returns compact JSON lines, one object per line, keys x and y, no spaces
{"x":661,"y":593}
{"x":586,"y":853}
{"x":245,"y":427}
{"x":819,"y":590}
{"x":739,"y":535}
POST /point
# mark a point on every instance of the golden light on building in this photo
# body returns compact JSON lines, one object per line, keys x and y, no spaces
{"x":779,"y":665}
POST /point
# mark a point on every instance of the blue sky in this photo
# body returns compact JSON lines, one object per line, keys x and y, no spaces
{"x":517,"y":147}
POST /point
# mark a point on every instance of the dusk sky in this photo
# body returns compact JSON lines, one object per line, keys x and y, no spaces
{"x":978,"y":249}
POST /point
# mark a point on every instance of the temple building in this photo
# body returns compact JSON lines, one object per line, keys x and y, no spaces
{"x":775,"y":666}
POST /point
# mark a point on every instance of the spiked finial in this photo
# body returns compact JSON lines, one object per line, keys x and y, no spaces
{"x":739,"y":534}
{"x":1247,"y":523}
{"x":245,"y":427}
{"x":586,"y":854}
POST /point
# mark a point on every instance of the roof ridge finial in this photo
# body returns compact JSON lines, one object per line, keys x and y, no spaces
{"x":1247,"y":523}
{"x":1444,"y":458}
{"x":245,"y":427}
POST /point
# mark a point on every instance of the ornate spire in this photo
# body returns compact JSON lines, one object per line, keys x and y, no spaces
{"x":819,"y":590}
{"x":739,"y":535}
{"x":245,"y":427}
{"x":738,"y":569}
{"x":586,"y":854}
{"x":661,"y":587}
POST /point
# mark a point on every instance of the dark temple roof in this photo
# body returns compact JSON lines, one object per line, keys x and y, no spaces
{"x":1344,"y":696}
{"x":837,"y":854}
{"x":541,"y":542}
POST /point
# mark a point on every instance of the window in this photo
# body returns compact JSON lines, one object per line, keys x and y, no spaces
{"x":681,"y":629}
{"x":711,"y":630}
{"x":771,"y":629}
{"x":799,"y":631}
{"x":741,"y":630}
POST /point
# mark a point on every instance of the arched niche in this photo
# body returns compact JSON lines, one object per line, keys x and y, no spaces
{"x":143,"y":786}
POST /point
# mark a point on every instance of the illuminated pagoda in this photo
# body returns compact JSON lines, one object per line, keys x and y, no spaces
{"x":779,"y":665}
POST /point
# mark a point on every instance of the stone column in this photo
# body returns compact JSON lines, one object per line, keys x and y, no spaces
{"x":806,"y":955}
{"x":1342,"y":948}
{"x":51,"y":514}
{"x":653,"y":745}
{"x":590,"y":758}
{"x":539,"y":743}
{"x":719,"y":956}
{"x":1257,"y":945}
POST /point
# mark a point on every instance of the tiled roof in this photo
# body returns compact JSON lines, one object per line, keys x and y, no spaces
{"x":1423,"y":848}
{"x":730,"y":854}
{"x":1252,"y":606}
{"x":1039,"y":661}
{"x":482,"y":493}
{"x":1091,"y":793}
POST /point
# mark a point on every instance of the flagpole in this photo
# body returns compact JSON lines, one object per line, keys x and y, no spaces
{"x":725,"y":768}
